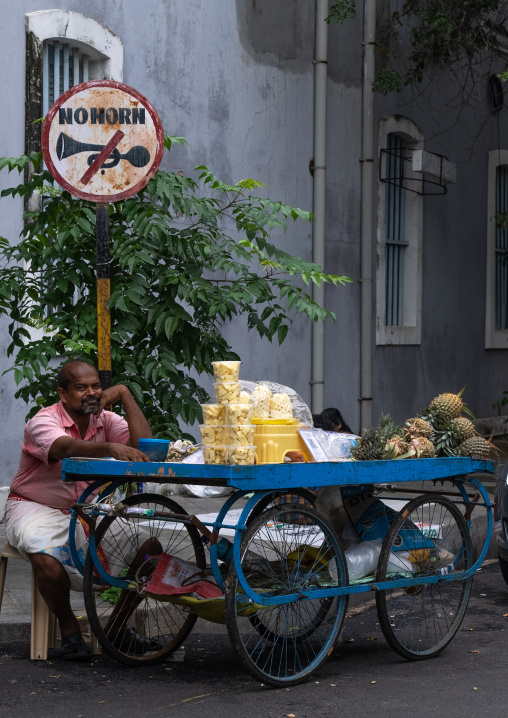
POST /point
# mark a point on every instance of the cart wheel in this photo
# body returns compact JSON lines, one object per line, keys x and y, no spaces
{"x":282,"y":497}
{"x":295,"y":552}
{"x":132,"y":628}
{"x":420,"y":620}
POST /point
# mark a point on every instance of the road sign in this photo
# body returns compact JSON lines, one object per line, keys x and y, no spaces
{"x":102,"y":141}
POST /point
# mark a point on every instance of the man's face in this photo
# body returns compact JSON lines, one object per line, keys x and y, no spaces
{"x":84,"y":391}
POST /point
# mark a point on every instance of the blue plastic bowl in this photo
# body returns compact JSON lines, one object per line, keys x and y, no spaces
{"x":155,"y":449}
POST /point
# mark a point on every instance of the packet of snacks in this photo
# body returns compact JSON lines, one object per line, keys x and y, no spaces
{"x":214,"y":414}
{"x":261,"y":392}
{"x":226,"y":370}
{"x":280,"y":406}
{"x":261,"y":397}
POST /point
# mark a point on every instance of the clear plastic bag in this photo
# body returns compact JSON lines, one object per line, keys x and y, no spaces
{"x":300,"y":410}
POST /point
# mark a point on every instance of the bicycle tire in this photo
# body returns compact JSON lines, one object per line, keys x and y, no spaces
{"x":164,"y":624}
{"x":420,"y":621}
{"x":286,"y":643}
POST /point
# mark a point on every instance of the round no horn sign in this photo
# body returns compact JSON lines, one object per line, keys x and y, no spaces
{"x":102,"y":141}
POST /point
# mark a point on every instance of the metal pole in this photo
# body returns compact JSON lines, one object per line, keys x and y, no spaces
{"x":103,"y":293}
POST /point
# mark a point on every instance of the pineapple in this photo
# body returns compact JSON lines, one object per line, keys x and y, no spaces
{"x":477,"y":447}
{"x":370,"y":446}
{"x":395,"y":447}
{"x":445,"y":407}
{"x":373,"y":443}
{"x":462,"y":429}
{"x":423,"y":447}
{"x":417,"y":427}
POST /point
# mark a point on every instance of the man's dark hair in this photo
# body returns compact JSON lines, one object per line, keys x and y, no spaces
{"x":65,"y":374}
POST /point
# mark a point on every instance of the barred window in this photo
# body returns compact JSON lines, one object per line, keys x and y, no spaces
{"x":395,"y":222}
{"x":63,"y":66}
{"x":501,"y":249}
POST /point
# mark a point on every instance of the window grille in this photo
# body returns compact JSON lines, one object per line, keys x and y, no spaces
{"x":501,"y":253}
{"x":62,"y":67}
{"x":395,"y":220}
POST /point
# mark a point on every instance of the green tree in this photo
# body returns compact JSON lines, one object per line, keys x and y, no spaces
{"x":187,"y":255}
{"x":418,"y":39}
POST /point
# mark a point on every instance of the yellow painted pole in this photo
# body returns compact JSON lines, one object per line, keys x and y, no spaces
{"x":103,"y":293}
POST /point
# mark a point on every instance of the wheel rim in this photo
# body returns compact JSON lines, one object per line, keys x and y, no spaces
{"x":287,"y":642}
{"x":429,"y":539}
{"x":163,"y":624}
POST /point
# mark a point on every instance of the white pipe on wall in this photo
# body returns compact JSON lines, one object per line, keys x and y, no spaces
{"x":366,"y":249}
{"x":319,"y":189}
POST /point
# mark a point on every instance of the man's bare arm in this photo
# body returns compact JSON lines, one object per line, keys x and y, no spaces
{"x":64,"y":447}
{"x":138,"y":425}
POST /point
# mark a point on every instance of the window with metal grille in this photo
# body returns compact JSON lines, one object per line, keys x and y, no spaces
{"x":62,"y":67}
{"x":501,"y":249}
{"x":395,"y":222}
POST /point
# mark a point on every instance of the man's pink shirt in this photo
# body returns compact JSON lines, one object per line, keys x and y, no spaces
{"x":38,"y":477}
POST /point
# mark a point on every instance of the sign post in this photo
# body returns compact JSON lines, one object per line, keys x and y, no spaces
{"x":102,"y":141}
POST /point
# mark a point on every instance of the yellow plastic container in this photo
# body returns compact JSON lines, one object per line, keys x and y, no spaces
{"x":273,"y":441}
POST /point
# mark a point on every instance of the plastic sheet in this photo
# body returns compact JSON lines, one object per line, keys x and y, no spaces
{"x":301,"y":411}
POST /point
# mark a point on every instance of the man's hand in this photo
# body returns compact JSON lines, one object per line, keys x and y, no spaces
{"x":111,"y":395}
{"x":127,"y":453}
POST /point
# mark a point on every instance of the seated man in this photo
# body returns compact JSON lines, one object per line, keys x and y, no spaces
{"x":37,"y":510}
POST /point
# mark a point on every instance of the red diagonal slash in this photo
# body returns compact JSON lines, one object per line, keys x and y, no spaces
{"x":102,"y":157}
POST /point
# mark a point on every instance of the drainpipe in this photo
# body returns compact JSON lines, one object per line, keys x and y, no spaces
{"x":319,"y":188}
{"x":367,"y":169}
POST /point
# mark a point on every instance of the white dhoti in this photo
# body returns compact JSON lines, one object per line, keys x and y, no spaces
{"x":34,"y":528}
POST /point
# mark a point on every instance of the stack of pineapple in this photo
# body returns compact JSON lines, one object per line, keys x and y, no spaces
{"x":441,"y":430}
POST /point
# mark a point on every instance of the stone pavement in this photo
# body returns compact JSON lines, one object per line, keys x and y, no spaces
{"x":15,"y":610}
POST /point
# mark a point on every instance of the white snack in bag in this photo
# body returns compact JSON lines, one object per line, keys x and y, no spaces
{"x":213,"y":414}
{"x":261,"y":398}
{"x":280,"y":406}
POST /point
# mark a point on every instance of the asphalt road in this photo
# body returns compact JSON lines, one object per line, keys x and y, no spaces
{"x":363,"y":676}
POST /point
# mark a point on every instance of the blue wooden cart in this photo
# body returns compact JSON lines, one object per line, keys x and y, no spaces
{"x":281,"y":585}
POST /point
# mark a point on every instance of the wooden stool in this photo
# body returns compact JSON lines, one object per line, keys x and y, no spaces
{"x":43,"y":627}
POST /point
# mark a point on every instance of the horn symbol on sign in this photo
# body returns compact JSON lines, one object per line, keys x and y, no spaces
{"x":66,"y":146}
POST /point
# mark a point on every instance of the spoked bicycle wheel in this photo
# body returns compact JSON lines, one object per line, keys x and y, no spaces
{"x":428,"y":539}
{"x":289,"y":549}
{"x":300,"y":496}
{"x":135,"y":628}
